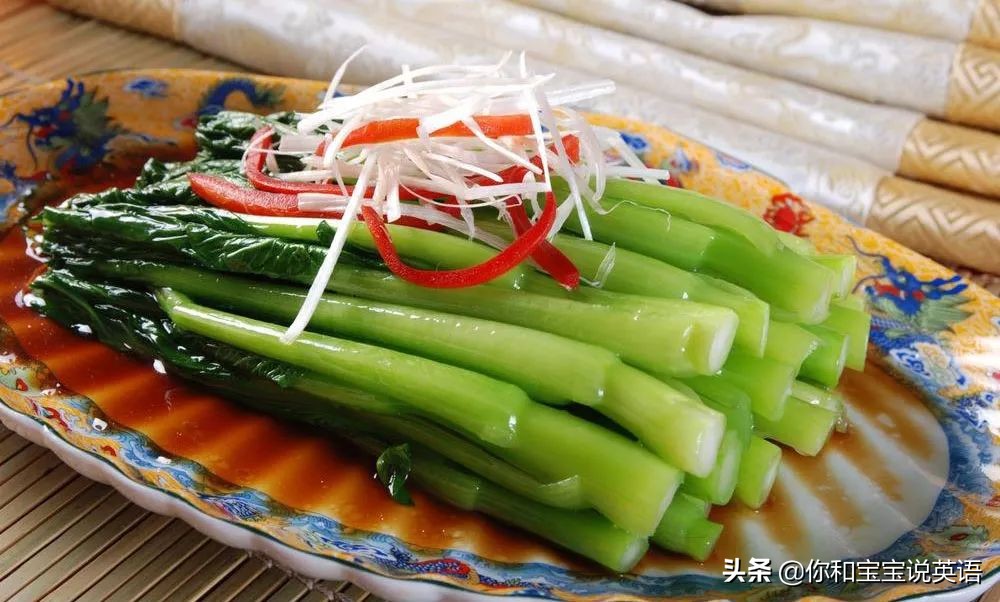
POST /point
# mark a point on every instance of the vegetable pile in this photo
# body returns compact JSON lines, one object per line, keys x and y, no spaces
{"x":449,"y":270}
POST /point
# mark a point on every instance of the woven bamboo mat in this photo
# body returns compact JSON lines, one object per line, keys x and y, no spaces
{"x":62,"y":536}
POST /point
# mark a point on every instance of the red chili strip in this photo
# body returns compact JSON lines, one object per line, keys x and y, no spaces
{"x":391,"y":130}
{"x":500,"y":264}
{"x":549,"y":258}
{"x":225,"y":194}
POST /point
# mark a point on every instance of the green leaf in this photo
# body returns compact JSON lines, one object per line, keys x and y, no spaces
{"x":130,"y":320}
{"x":158,"y":172}
{"x":207,"y":237}
{"x":211,"y":239}
{"x":393,"y":468}
{"x":225,"y":134}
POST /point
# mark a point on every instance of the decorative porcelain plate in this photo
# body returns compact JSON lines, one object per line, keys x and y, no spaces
{"x":910,"y":497}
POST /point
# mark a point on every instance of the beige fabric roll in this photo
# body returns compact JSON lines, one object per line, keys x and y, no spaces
{"x":886,"y":137}
{"x":872,"y":132}
{"x":957,"y":20}
{"x":955,"y":156}
{"x":157,"y":17}
{"x":870,"y":64}
{"x":844,"y":184}
{"x":308,"y":38}
{"x":954,"y":227}
{"x":985,"y":27}
{"x":974,"y":88}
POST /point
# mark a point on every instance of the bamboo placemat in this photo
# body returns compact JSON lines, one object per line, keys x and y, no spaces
{"x":62,"y":536}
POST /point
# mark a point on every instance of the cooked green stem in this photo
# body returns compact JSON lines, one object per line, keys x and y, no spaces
{"x":564,"y":493}
{"x":697,"y":208}
{"x":728,"y":399}
{"x":785,"y":279}
{"x":582,"y":531}
{"x":802,"y":246}
{"x":679,"y":429}
{"x":547,"y":443}
{"x":766,"y":382}
{"x":782,"y":278}
{"x":644,"y":230}
{"x":790,"y":344}
{"x":640,"y":275}
{"x":686,"y":530}
{"x":843,"y":266}
{"x":703,"y":506}
{"x":694,"y":339}
{"x":470,"y":402}
{"x":824,"y":399}
{"x":758,"y":471}
{"x":855,"y":324}
{"x":620,"y":479}
{"x":548,"y":367}
{"x":804,"y":427}
{"x":718,"y":485}
{"x":826,"y":363}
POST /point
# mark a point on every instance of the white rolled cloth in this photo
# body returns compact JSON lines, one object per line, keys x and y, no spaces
{"x":872,"y":132}
{"x":956,"y":20}
{"x":870,"y":64}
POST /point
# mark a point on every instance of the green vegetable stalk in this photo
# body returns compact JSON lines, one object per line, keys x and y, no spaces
{"x":686,"y":530}
{"x":758,"y":471}
{"x":547,"y":443}
{"x":549,"y":368}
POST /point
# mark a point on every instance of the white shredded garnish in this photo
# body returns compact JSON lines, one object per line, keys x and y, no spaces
{"x":627,"y":154}
{"x":331,"y":90}
{"x":607,"y":264}
{"x":623,"y":171}
{"x":299,"y":143}
{"x":321,"y":201}
{"x":437,"y":168}
{"x":332,"y":255}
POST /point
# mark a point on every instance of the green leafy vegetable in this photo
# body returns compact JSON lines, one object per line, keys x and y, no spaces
{"x":393,"y":468}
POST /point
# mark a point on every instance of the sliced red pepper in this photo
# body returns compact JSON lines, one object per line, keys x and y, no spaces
{"x":549,"y":258}
{"x":405,"y":128}
{"x":546,"y":255}
{"x":223,"y":193}
{"x":500,"y":264}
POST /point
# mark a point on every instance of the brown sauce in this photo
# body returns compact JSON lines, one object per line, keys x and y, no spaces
{"x":292,"y":465}
{"x":819,"y":478}
{"x":890,"y":406}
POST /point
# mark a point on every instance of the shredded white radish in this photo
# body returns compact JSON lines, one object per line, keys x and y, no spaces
{"x":321,"y":201}
{"x":647,"y":173}
{"x":607,"y":264}
{"x":332,"y":255}
{"x":457,"y":170}
{"x":331,"y":90}
{"x":627,"y":154}
{"x":469,"y":167}
{"x":298,"y":143}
